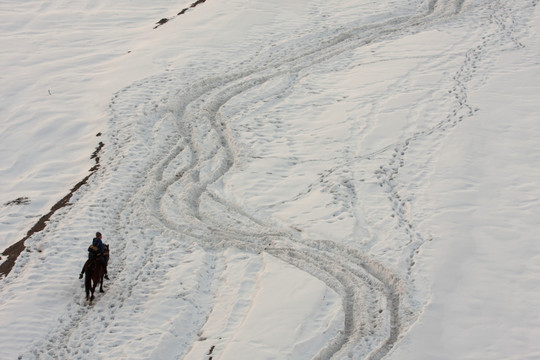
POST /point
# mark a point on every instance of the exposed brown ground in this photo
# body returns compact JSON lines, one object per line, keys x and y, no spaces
{"x":16,"y":249}
{"x":165,"y":20}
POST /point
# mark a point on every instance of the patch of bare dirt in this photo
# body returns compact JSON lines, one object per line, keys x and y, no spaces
{"x":16,"y":249}
{"x":23,"y":200}
{"x":183,"y":11}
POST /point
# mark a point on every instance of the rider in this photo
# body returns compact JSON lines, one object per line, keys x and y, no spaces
{"x":97,"y":249}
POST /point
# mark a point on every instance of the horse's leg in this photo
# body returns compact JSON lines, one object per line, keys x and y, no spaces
{"x":101,"y":284}
{"x":101,"y":275}
{"x":87,"y":284}
{"x":94,"y":284}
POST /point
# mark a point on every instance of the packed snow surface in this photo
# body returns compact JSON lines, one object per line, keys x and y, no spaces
{"x":279,"y":179}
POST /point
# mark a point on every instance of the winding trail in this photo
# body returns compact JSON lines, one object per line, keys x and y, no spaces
{"x":180,"y":197}
{"x":189,"y":147}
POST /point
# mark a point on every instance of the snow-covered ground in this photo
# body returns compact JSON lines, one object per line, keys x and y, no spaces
{"x":279,"y":180}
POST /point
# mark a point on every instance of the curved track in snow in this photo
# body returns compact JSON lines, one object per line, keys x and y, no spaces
{"x":177,"y":146}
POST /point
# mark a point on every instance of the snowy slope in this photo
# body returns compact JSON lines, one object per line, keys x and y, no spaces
{"x":278,"y":181}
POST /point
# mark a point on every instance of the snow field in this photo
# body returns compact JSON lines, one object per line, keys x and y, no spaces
{"x":350,"y":186}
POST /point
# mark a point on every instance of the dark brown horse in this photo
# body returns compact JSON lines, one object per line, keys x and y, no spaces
{"x":95,"y":270}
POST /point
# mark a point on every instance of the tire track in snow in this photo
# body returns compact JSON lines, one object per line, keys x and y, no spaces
{"x":212,"y":154}
{"x":187,"y":150}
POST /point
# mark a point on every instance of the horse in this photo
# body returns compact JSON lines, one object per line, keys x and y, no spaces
{"x":94,"y":273}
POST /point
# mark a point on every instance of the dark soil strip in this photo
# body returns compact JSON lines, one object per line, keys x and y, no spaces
{"x":23,"y":200}
{"x":16,"y":249}
{"x":182,"y":12}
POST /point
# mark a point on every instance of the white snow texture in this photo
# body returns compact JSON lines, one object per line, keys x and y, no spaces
{"x":279,"y":179}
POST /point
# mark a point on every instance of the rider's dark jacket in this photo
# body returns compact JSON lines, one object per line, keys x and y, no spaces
{"x":97,"y":242}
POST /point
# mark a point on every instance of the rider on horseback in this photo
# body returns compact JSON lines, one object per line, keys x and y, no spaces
{"x":96,"y":251}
